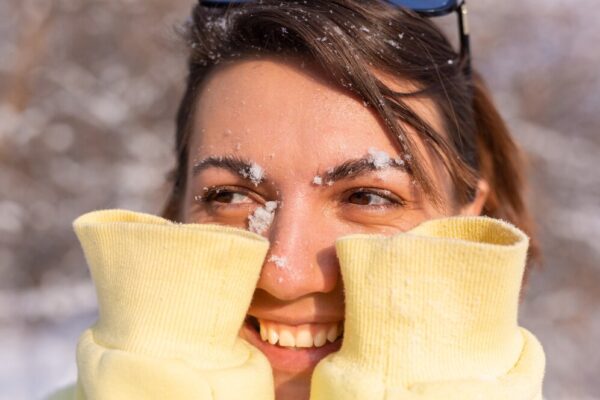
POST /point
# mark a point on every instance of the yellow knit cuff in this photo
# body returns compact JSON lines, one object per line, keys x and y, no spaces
{"x":172,"y":298}
{"x":434,"y":305}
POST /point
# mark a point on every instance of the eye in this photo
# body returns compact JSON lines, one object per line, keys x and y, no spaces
{"x":223,"y":195}
{"x":229,"y":197}
{"x":367,"y":199}
{"x":373,"y":197}
{"x":224,"y":204}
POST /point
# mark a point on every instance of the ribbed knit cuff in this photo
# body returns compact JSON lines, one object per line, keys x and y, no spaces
{"x":170,"y":290}
{"x":435,"y":304}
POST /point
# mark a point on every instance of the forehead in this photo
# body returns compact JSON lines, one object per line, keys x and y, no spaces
{"x":284,"y":113}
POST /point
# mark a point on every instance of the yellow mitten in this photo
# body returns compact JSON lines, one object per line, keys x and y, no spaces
{"x":172,"y":298}
{"x":432,"y":314}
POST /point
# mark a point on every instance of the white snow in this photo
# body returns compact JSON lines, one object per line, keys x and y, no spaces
{"x":261,"y":219}
{"x":255,"y":173}
{"x":380,"y":159}
{"x":317,"y":180}
{"x":280,"y":262}
{"x":270,"y":206}
{"x":392,"y":43}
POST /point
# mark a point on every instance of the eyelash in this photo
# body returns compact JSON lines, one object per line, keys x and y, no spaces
{"x":394,"y":201}
{"x":208,"y":197}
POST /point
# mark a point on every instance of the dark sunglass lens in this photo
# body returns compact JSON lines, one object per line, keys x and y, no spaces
{"x":424,"y":6}
{"x":432,"y":6}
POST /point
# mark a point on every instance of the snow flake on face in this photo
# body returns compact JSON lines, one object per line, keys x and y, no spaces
{"x":317,"y":180}
{"x":280,"y":262}
{"x":255,"y":173}
{"x":261,"y":219}
{"x":380,"y":159}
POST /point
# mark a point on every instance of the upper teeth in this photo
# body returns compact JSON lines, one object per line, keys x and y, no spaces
{"x":307,"y":335}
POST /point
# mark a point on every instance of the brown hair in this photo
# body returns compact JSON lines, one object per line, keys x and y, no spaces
{"x":350,"y":39}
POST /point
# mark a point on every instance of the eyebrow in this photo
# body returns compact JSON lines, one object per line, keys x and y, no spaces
{"x":347,"y":170}
{"x":359,"y":167}
{"x":236,"y":165}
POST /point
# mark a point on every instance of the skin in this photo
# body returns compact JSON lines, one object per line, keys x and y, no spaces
{"x":296,"y":125}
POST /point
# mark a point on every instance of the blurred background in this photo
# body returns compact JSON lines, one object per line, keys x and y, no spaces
{"x":88,"y":92}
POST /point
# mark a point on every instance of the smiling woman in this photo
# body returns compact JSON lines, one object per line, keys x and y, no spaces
{"x":325,"y":127}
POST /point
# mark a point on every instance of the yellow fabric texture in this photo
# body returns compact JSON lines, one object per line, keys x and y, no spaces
{"x":172,"y":298}
{"x":432,"y":314}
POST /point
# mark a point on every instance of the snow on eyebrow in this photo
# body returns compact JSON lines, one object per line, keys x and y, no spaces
{"x":379,"y":158}
{"x":375,"y":160}
{"x":239,"y":166}
{"x":255,"y":173}
{"x":261,"y":219}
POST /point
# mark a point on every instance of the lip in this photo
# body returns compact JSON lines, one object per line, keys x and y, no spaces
{"x":286,"y":359}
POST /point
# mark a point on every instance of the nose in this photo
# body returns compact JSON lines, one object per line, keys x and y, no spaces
{"x":301,"y":259}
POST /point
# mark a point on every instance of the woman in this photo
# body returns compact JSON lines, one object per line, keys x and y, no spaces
{"x":312,"y":124}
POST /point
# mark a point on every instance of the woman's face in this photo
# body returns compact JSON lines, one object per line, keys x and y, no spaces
{"x":278,"y":150}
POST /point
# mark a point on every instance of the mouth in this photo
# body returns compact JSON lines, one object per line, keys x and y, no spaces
{"x":293,"y":348}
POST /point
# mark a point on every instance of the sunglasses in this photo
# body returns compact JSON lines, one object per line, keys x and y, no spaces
{"x":427,"y":8}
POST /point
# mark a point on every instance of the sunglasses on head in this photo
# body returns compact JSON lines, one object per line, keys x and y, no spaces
{"x":427,"y":8}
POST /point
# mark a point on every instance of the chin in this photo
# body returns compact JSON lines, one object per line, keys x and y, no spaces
{"x":292,"y":387}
